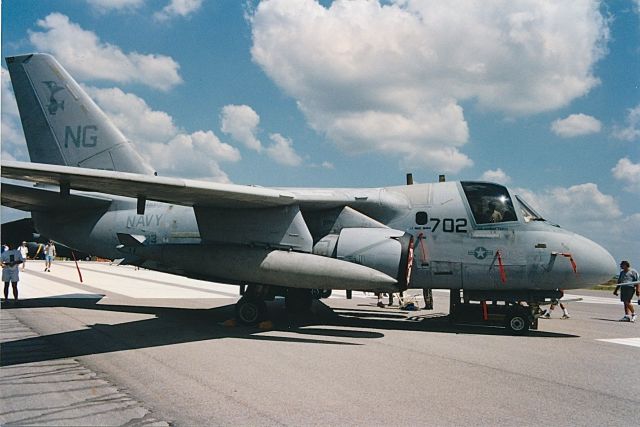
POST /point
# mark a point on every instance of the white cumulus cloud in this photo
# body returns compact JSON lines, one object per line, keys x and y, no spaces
{"x":169,"y":149}
{"x":585,"y":210}
{"x":195,"y":155}
{"x":392,"y":76}
{"x":577,"y":207}
{"x":13,"y":142}
{"x":177,"y":8}
{"x":281,"y":151}
{"x":327,"y":165}
{"x":241,"y":122}
{"x":497,"y":175}
{"x":104,"y":6}
{"x":133,"y":116}
{"x":576,"y":125}
{"x":627,"y":171}
{"x":631,"y":131}
{"x":86,"y":57}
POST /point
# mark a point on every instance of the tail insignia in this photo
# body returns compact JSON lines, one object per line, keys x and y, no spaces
{"x":53,"y":104}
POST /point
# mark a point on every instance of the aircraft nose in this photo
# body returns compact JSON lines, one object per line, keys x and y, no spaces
{"x":595,"y":265}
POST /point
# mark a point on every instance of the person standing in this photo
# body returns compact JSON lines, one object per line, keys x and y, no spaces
{"x":49,"y":255}
{"x":380,"y":303}
{"x":11,"y":260}
{"x":24,"y":251}
{"x":627,"y":285}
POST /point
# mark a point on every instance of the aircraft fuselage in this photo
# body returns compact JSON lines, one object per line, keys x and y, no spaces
{"x":452,"y":248}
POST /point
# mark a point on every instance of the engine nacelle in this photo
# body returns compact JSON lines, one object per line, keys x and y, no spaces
{"x":384,"y":249}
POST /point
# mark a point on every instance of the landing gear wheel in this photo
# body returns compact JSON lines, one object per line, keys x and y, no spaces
{"x":326,"y":293}
{"x":249,"y":311}
{"x":298,"y":300}
{"x":320,"y":293}
{"x":518,"y":323}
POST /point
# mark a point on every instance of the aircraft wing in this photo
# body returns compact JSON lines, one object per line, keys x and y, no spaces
{"x":163,"y":189}
{"x":34,"y":199}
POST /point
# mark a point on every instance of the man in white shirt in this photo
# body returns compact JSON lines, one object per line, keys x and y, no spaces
{"x":24,"y":251}
{"x":11,"y":260}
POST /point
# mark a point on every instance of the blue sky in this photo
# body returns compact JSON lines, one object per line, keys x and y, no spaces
{"x":541,"y":96}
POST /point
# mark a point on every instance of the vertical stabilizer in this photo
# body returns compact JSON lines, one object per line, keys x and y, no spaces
{"x":62,"y":125}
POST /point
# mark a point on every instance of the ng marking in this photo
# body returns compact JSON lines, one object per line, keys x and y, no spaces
{"x":79,"y":136}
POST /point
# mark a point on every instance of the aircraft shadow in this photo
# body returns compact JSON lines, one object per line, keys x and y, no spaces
{"x":418,"y":321}
{"x":182,"y":325}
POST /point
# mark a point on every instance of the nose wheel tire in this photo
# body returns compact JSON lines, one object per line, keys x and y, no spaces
{"x":250,"y":311}
{"x":518,"y":323}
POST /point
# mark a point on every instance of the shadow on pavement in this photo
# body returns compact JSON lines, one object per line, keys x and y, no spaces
{"x":324,"y":325}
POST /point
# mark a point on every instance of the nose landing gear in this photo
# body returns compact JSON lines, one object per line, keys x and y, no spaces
{"x":517,"y":311}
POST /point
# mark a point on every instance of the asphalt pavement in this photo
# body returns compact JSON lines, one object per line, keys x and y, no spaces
{"x":135,"y":347}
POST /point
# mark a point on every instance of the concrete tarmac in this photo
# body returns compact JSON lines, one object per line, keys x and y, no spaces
{"x":135,"y":347}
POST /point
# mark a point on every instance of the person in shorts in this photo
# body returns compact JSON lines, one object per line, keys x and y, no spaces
{"x":627,"y":285}
{"x":24,"y":251}
{"x":11,"y":260}
{"x":49,"y":255}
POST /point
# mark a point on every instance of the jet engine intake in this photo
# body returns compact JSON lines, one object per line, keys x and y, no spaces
{"x":383,"y":249}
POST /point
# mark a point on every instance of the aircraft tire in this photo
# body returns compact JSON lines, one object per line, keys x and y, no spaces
{"x":298,"y":300}
{"x":518,"y":322}
{"x":250,"y":311}
{"x":320,"y":293}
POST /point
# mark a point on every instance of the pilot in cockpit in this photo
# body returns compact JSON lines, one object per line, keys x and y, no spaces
{"x":494,"y":214}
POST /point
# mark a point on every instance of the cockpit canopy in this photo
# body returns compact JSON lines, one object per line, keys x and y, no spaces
{"x":489,"y":203}
{"x":528,"y":213}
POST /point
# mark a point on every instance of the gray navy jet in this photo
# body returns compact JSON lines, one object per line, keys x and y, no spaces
{"x":94,"y":192}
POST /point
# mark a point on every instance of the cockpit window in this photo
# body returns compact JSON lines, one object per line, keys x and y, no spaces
{"x":490,"y":203}
{"x":528,"y":213}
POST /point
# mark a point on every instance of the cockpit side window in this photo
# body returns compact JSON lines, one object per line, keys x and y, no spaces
{"x":490,"y":203}
{"x":528,"y":213}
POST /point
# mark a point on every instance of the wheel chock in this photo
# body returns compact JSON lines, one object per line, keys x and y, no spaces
{"x":265,"y":325}
{"x":230,"y":323}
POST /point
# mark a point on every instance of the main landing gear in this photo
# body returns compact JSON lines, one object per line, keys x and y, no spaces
{"x":517,"y":311}
{"x":252,"y":309}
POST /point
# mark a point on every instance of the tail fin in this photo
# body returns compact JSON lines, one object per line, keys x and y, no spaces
{"x":63,"y":126}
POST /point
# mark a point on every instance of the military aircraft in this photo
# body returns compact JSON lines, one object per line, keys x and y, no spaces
{"x":95,"y":193}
